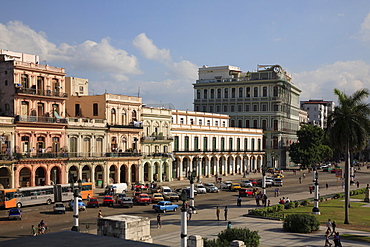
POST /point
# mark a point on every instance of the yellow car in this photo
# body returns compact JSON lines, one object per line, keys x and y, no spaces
{"x":235,"y":186}
{"x":157,"y":197}
{"x":279,"y":175}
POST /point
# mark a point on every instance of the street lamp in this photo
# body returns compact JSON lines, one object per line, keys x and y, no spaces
{"x":315,"y":209}
{"x":76,"y":194}
{"x":184,"y":222}
{"x":191,"y":178}
{"x":264,"y":167}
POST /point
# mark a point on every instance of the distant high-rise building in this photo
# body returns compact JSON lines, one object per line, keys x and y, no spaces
{"x":266,"y":99}
{"x":318,"y":111}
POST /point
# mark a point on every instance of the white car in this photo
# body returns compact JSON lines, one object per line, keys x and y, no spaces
{"x":59,"y":208}
{"x":200,"y":189}
{"x":226,"y":184}
{"x":246,"y":183}
{"x":212,"y":189}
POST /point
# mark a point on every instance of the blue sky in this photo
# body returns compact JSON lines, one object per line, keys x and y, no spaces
{"x":158,"y":46}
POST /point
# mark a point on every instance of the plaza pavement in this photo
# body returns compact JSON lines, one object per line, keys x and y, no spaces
{"x":204,"y":223}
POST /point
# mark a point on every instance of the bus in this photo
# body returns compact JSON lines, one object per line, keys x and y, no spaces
{"x":29,"y":196}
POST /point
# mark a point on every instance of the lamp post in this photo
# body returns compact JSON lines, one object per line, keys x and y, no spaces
{"x":76,"y":194}
{"x":264,"y":176}
{"x":184,"y":222}
{"x":198,"y":168}
{"x":191,"y":178}
{"x":315,"y":209}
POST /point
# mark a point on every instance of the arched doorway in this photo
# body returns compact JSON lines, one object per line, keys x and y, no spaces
{"x":25,"y":177}
{"x":133,"y":174}
{"x":112,"y":174}
{"x":86,"y":174}
{"x":55,"y":175}
{"x":212,"y":166}
{"x":73,"y":174}
{"x":156,"y":172}
{"x":146,"y":171}
{"x":40,"y":176}
{"x":164,"y":172}
{"x":4,"y":178}
{"x":123,"y":175}
{"x":99,"y":176}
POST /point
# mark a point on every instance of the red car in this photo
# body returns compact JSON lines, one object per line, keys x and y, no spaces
{"x":245,"y":192}
{"x":143,"y":199}
{"x":93,"y":202}
{"x":253,"y":181}
{"x":108,"y":201}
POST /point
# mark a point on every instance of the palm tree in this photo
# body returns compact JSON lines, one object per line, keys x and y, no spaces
{"x":349,"y":129}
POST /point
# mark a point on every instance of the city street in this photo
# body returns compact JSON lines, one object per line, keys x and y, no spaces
{"x":62,"y":222}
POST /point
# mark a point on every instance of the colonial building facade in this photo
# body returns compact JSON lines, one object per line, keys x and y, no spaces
{"x":264,"y":99}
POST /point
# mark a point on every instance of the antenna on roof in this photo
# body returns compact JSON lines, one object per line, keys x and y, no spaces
{"x":138,"y":91}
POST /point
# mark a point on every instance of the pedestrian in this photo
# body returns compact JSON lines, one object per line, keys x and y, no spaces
{"x":100,"y":214}
{"x":358,"y":184}
{"x":304,"y":175}
{"x":239,"y":201}
{"x":337,"y":242}
{"x":190,"y":212}
{"x":287,"y":200}
{"x":268,"y":203}
{"x":218,"y":213}
{"x":300,"y":180}
{"x":276,"y":192}
{"x":327,"y":238}
{"x":88,"y":197}
{"x":333,"y":225}
{"x":226,"y":210}
{"x":159,"y":221}
{"x":327,"y":186}
{"x":33,"y":230}
{"x":310,"y":189}
{"x":257,"y":197}
{"x":229,"y":225}
{"x":264,"y":200}
{"x":328,"y":224}
{"x":42,"y":227}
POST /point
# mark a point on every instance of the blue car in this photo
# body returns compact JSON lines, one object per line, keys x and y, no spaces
{"x":15,"y":214}
{"x":164,"y":206}
{"x":81,"y":204}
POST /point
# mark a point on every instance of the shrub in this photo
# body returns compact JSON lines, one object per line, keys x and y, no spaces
{"x":296,"y":204}
{"x":250,"y":238}
{"x":289,"y":205}
{"x":279,"y":207}
{"x":338,"y":195}
{"x":322,"y":199}
{"x":301,"y":223}
{"x":305,"y":202}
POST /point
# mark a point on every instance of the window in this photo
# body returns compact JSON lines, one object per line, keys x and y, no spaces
{"x":25,"y":81}
{"x":204,"y":108}
{"x":198,"y":94}
{"x":276,"y":125}
{"x":255,"y":107}
{"x":246,"y":107}
{"x":208,"y":122}
{"x":223,"y":124}
{"x":205,"y":92}
{"x":240,"y":123}
{"x":275,"y":142}
{"x":222,"y":144}
{"x":211,"y":108}
{"x":200,"y":122}
{"x":214,"y":143}
{"x":240,"y":92}
{"x":6,"y":82}
{"x":196,"y":143}
{"x":264,"y":107}
{"x":216,"y":123}
{"x":226,"y":93}
{"x":259,"y":145}
{"x":247,"y":123}
{"x":255,"y":92}
{"x":73,"y":146}
{"x":176,"y":143}
{"x":113,"y":116}
{"x":232,"y":123}
{"x":264,"y":124}
{"x":252,"y":144}
{"x":81,"y":90}
{"x":275,"y":93}
{"x":248,"y":92}
{"x":186,"y":143}
{"x":276,"y":107}
{"x":245,"y":144}
{"x":264,"y":91}
{"x":212,"y":93}
{"x":219,"y":93}
{"x":181,"y":121}
{"x":191,"y":121}
{"x":232,"y":108}
{"x":255,"y":124}
{"x":95,"y":109}
{"x":197,"y":108}
{"x":238,"y":144}
{"x":205,"y":143}
{"x":225,"y":108}
{"x":230,"y":144}
{"x":233,"y":92}
{"x":239,"y":108}
{"x":77,"y":110}
{"x":218,"y":108}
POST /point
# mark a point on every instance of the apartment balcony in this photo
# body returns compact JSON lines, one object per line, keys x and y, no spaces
{"x":36,"y":119}
{"x":135,"y":125}
{"x":154,"y":155}
{"x":123,"y":154}
{"x":156,"y":138}
{"x":40,"y":155}
{"x":40,"y":92}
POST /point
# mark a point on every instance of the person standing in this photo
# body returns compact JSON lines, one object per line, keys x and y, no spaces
{"x":33,"y":230}
{"x":190,"y":212}
{"x":300,"y":180}
{"x":239,"y":201}
{"x":328,"y":224}
{"x":327,"y":186}
{"x":159,"y":221}
{"x":100,"y":214}
{"x":333,"y":225}
{"x":218,"y":213}
{"x":229,"y":225}
{"x":327,"y":238}
{"x":226,"y":211}
{"x":337,"y":242}
{"x":358,"y":184}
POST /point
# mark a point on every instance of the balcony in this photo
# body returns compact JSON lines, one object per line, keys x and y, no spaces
{"x":39,"y":155}
{"x":36,"y":119}
{"x":156,"y":138}
{"x":123,"y":154}
{"x":149,"y":155}
{"x":132,"y":125}
{"x":40,"y":92}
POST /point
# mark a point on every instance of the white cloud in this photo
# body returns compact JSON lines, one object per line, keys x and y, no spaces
{"x":88,"y":56}
{"x":347,"y":76}
{"x":364,"y":32}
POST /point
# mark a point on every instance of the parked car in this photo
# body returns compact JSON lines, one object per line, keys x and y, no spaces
{"x":108,"y":201}
{"x":208,"y":184}
{"x":277,"y":182}
{"x":165,"y":206}
{"x":245,"y":192}
{"x":165,"y":190}
{"x":15,"y":214}
{"x":81,"y":205}
{"x":126,"y":202}
{"x":268,"y":182}
{"x":212,"y":189}
{"x":187,"y":189}
{"x":119,"y":196}
{"x":246,"y":183}
{"x":157,"y":197}
{"x":253,"y":181}
{"x":173,"y":196}
{"x":235,"y":186}
{"x":143,"y":199}
{"x":93,"y":202}
{"x":59,"y":208}
{"x":200,"y":189}
{"x":226,"y":184}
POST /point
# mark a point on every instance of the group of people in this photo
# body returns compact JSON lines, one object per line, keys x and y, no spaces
{"x":218,"y":211}
{"x":41,"y":228}
{"x":331,"y":232}
{"x":284,"y":200}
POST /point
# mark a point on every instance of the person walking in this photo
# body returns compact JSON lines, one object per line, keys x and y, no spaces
{"x":337,"y":242}
{"x":159,"y":221}
{"x":358,"y":184}
{"x":327,"y":238}
{"x":328,"y":224}
{"x":239,"y":201}
{"x":300,"y":180}
{"x":33,"y":230}
{"x":190,"y":212}
{"x":327,"y":186}
{"x":226,"y":210}
{"x":333,"y":225}
{"x":218,"y":213}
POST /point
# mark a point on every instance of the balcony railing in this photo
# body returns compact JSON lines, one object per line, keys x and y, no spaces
{"x":40,"y":155}
{"x":130,"y":125}
{"x":48,"y":155}
{"x":19,"y":118}
{"x":122,"y":154}
{"x":156,"y":138}
{"x":41,"y":92}
{"x":156,"y":154}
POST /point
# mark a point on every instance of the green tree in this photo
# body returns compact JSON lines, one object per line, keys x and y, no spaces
{"x":348,"y":129}
{"x":310,"y":148}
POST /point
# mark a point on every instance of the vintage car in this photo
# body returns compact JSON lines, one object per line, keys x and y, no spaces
{"x":93,"y":202}
{"x":15,"y":214}
{"x":59,"y":208}
{"x":245,"y":192}
{"x":126,"y":202}
{"x":157,"y":197}
{"x":235,"y":186}
{"x":108,"y":201}
{"x":173,"y":196}
{"x":142,"y":199}
{"x":81,"y":205}
{"x":165,"y":206}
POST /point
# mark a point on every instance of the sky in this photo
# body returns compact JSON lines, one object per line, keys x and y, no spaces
{"x":154,"y":48}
